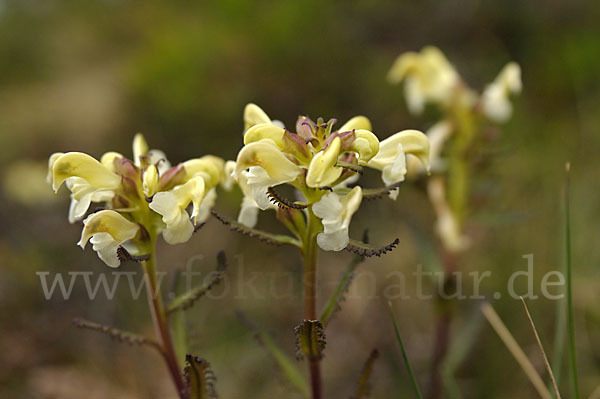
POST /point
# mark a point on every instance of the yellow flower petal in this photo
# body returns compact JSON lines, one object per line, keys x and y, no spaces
{"x":84,"y":166}
{"x":150,"y":181}
{"x":254,"y":115}
{"x":51,"y":162}
{"x":108,"y":221}
{"x":412,"y":142}
{"x":108,"y":160}
{"x":321,"y":171}
{"x":140,"y":148}
{"x":210,"y":167}
{"x":366,"y":144}
{"x":358,"y":122}
{"x":264,"y":131}
{"x":267,"y":155}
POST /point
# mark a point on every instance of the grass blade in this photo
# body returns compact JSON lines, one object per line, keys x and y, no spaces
{"x":539,"y":342}
{"x":404,"y":355}
{"x":514,"y":348}
{"x":560,"y":328}
{"x":572,"y":349}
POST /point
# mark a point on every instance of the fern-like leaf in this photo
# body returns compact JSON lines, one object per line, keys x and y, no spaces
{"x":372,"y":193}
{"x":310,"y":340}
{"x":125,"y":256}
{"x":273,"y":239}
{"x":116,"y":334}
{"x":199,"y":378}
{"x":283,"y":202}
{"x":363,"y":249}
{"x":186,"y":300}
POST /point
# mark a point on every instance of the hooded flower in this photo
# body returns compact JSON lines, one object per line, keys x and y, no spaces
{"x":171,"y":205}
{"x":391,"y":158}
{"x":107,"y":230}
{"x":428,"y":77}
{"x":265,"y":165}
{"x":335,"y":213}
{"x":495,"y":100}
{"x":438,"y":135}
{"x":254,"y":115}
{"x":254,"y":184}
{"x":87,"y":179}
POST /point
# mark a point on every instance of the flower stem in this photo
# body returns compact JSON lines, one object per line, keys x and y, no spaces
{"x":161,"y":325}
{"x":310,"y":251}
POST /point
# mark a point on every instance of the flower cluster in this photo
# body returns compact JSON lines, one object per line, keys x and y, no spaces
{"x":320,"y":162}
{"x":141,"y":197}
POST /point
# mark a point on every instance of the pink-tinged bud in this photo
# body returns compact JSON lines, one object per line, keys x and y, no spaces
{"x":127,"y":169}
{"x":295,"y":145}
{"x":171,"y":178}
{"x":306,"y":128}
{"x":347,"y":138}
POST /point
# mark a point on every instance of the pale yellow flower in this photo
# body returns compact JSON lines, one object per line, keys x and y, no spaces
{"x":391,"y":158}
{"x":428,"y":77}
{"x":495,"y":99}
{"x":107,"y":230}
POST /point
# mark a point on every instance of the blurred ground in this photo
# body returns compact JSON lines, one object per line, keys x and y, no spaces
{"x":86,"y":76}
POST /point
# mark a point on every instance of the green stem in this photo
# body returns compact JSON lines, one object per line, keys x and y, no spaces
{"x":161,"y":325}
{"x":310,"y":251}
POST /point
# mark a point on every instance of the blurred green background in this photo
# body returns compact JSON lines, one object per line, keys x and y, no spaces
{"x":86,"y":76}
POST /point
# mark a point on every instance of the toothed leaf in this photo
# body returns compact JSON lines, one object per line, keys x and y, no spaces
{"x":310,"y":340}
{"x":283,"y":202}
{"x":350,"y":166}
{"x":372,"y":193}
{"x":199,"y":378}
{"x":364,"y":249}
{"x":125,"y":256}
{"x":116,"y":334}
{"x":186,"y":300}
{"x":273,"y":239}
{"x":363,"y":388}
